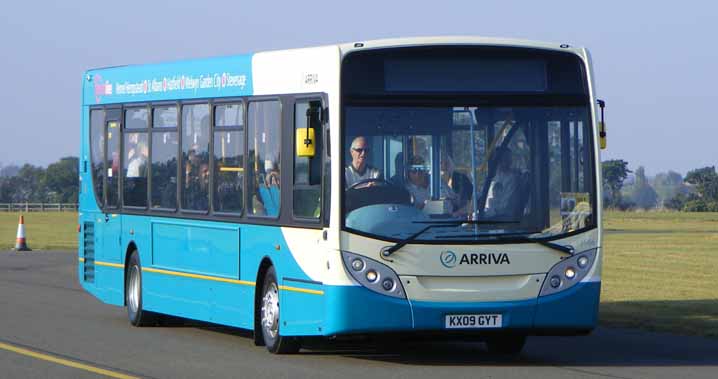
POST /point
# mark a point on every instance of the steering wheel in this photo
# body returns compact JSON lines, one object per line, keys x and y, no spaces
{"x":368,"y":183}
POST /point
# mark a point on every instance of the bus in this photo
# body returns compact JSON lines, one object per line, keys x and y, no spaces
{"x":440,"y":186}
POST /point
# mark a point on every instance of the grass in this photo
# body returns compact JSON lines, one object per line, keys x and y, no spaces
{"x":661,"y":272}
{"x":660,"y":268}
{"x":43,"y":230}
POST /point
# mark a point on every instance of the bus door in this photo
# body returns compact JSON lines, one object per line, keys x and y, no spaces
{"x":112,"y":221}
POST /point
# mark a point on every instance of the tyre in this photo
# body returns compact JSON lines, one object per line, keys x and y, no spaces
{"x":270,"y":318}
{"x":133,"y":294}
{"x":506,"y":345}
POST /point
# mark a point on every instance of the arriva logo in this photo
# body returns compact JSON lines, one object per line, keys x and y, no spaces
{"x":448,"y":259}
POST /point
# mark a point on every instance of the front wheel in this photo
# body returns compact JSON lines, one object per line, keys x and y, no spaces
{"x":506,"y":345}
{"x":270,"y":319}
{"x":133,"y":294}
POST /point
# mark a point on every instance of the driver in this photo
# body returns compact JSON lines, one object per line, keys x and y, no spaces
{"x":360,"y":169}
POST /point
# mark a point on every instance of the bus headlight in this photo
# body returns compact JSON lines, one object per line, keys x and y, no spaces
{"x":570,"y":273}
{"x":582,"y":261}
{"x":358,"y":264}
{"x":573,"y":269}
{"x":373,"y":275}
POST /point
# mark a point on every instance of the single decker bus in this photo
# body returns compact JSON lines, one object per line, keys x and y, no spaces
{"x":441,"y":186}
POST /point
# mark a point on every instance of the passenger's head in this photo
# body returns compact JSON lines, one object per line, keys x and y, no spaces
{"x":418,"y":171}
{"x":204,"y":173}
{"x":360,"y":153}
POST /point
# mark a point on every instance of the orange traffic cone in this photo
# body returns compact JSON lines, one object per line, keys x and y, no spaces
{"x":20,"y":243}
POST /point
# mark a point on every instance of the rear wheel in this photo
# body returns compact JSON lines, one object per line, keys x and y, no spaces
{"x":133,"y":294}
{"x":506,"y":345}
{"x":270,"y":319}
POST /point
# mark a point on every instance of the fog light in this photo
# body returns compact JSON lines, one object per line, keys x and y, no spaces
{"x":388,"y":284}
{"x":358,"y":264}
{"x":372,"y":276}
{"x":555,"y":281}
{"x":583,"y":261}
{"x":570,"y":273}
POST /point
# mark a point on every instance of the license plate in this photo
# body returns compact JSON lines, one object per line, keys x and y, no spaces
{"x":473,"y":321}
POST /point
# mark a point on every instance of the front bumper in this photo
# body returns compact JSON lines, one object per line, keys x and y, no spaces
{"x":356,"y":310}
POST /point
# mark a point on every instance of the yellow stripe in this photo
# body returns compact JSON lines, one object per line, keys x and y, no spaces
{"x":116,"y":265}
{"x":196,"y":276}
{"x":302,"y":290}
{"x":213,"y":278}
{"x":82,"y":259}
{"x":64,"y":362}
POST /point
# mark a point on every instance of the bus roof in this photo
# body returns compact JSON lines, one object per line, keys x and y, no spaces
{"x":232,"y":75}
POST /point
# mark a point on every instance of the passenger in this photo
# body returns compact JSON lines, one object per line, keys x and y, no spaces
{"x":138,"y":162}
{"x":269,"y":192}
{"x":455,"y":187}
{"x":418,"y":181}
{"x":360,"y":169}
{"x":398,"y":178}
{"x":502,"y":195}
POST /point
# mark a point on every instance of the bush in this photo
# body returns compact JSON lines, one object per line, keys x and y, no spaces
{"x":700,"y":205}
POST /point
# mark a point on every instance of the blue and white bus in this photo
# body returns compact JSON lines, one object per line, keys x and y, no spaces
{"x":444,"y":186}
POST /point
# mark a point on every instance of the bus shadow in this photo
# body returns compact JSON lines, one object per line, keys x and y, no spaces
{"x":620,"y":341}
{"x":606,"y":347}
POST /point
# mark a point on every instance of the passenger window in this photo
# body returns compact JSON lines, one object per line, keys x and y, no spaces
{"x":264,"y":120}
{"x":135,"y":169}
{"x":228,"y":158}
{"x":136,"y":118}
{"x":307,"y":190}
{"x":97,"y":151}
{"x":136,"y":157}
{"x":164,"y":157}
{"x":195,"y":157}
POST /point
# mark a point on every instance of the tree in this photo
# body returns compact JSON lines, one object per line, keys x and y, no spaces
{"x":29,"y":184}
{"x":669,"y":185}
{"x":10,"y":170}
{"x":643,"y":194}
{"x":62,"y":180}
{"x":614,"y":171}
{"x":705,"y":181}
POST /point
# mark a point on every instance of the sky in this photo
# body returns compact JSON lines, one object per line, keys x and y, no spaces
{"x":654,"y":62}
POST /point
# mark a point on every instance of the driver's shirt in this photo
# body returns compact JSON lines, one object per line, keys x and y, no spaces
{"x":352,"y":176}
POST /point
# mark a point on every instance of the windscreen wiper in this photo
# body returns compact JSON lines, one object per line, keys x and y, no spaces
{"x":437,"y":224}
{"x":521,"y":237}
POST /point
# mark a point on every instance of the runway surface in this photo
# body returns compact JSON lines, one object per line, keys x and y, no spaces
{"x":51,"y":328}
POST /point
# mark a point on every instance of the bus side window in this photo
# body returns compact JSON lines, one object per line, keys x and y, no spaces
{"x":164,"y":158}
{"x":264,"y":169}
{"x":308,"y":170}
{"x":135,"y":152}
{"x":195,"y":157}
{"x":228,"y":157}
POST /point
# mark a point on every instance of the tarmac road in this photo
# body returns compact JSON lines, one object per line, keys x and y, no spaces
{"x":51,"y":328}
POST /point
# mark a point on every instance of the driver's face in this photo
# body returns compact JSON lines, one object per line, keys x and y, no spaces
{"x":359,"y":151}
